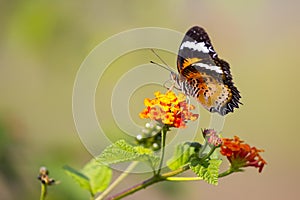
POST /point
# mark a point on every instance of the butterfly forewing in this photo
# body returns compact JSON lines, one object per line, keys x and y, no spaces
{"x":208,"y":77}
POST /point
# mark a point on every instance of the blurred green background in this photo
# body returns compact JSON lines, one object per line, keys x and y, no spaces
{"x":44,"y":42}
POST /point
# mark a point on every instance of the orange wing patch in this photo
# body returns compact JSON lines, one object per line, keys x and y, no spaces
{"x":212,"y":93}
{"x":189,"y":61}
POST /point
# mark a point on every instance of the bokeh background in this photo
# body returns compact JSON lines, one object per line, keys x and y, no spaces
{"x":44,"y":42}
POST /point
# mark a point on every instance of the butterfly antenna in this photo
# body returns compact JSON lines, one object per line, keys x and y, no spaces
{"x":159,"y":57}
{"x":165,"y":66}
{"x":160,"y":65}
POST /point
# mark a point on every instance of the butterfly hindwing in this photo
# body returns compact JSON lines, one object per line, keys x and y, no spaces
{"x":208,"y":76}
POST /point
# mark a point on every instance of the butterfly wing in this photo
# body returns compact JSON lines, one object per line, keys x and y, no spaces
{"x":208,"y":75}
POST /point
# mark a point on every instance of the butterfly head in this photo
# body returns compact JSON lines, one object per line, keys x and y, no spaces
{"x":173,"y":76}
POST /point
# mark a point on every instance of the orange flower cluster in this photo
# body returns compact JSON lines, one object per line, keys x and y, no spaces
{"x":169,"y":109}
{"x":240,"y":154}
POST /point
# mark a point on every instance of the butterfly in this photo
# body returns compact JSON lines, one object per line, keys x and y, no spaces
{"x":203,"y":75}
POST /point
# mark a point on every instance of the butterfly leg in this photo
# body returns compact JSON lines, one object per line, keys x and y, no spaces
{"x":170,"y":88}
{"x":188,"y":101}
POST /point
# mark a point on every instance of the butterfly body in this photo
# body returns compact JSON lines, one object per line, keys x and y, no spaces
{"x":203,"y":75}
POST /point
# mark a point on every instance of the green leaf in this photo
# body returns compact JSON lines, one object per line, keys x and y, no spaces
{"x":121,"y":151}
{"x":99,"y":176}
{"x":79,"y":177}
{"x":208,"y":173}
{"x":182,"y":156}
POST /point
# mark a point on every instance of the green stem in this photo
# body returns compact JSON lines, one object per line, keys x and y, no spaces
{"x":184,"y":178}
{"x":203,"y":148}
{"x":223,"y":174}
{"x":118,"y":180}
{"x":148,"y":182}
{"x":43,"y":191}
{"x":177,"y":171}
{"x":226,"y":173}
{"x":211,"y":151}
{"x":163,"y":144}
{"x":136,"y":188}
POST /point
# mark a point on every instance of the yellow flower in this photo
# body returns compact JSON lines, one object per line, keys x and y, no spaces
{"x":168,"y":109}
